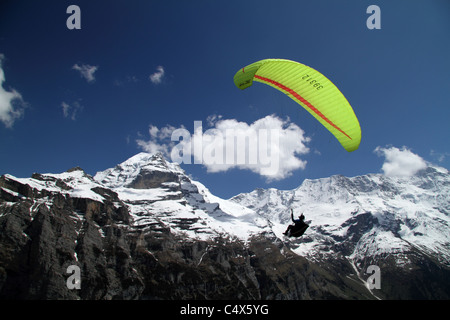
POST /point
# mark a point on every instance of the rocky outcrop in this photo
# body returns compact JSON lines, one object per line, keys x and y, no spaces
{"x":43,"y":232}
{"x":145,"y":230}
{"x":398,"y":225}
{"x":153,"y":179}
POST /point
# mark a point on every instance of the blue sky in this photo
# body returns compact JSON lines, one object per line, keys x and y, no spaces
{"x":85,"y":97}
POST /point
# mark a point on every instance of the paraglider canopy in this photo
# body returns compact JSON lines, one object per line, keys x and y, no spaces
{"x":310,"y":89}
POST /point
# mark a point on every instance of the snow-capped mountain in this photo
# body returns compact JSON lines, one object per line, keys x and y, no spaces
{"x":371,"y":215}
{"x":398,"y":224}
{"x":144,"y":229}
{"x":160,"y":193}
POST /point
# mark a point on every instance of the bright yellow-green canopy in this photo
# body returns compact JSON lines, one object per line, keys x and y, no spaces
{"x":312,"y":90}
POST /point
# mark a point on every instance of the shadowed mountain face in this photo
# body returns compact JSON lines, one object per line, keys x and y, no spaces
{"x":145,"y":230}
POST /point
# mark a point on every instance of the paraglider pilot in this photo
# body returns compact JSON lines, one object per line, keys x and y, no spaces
{"x":298,"y":224}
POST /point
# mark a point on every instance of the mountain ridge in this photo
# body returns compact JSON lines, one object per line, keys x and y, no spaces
{"x":152,"y":226}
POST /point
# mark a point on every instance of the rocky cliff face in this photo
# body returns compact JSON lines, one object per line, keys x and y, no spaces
{"x":145,"y":230}
{"x":397,"y":224}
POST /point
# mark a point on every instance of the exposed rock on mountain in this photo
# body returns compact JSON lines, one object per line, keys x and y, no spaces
{"x":399,"y":224}
{"x":145,"y":230}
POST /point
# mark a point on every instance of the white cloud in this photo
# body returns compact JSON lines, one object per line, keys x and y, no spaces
{"x":400,"y":162}
{"x":11,"y":102}
{"x":269,"y":146}
{"x":212,"y":119}
{"x":272,"y":143}
{"x":86,"y":71}
{"x":157,"y":77}
{"x":159,"y":140}
{"x":71,"y":111}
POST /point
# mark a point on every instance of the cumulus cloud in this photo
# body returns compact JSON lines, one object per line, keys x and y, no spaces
{"x":400,"y":162}
{"x":11,"y":102}
{"x":160,"y":140}
{"x":157,"y":77}
{"x":269,"y":146}
{"x":86,"y":71}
